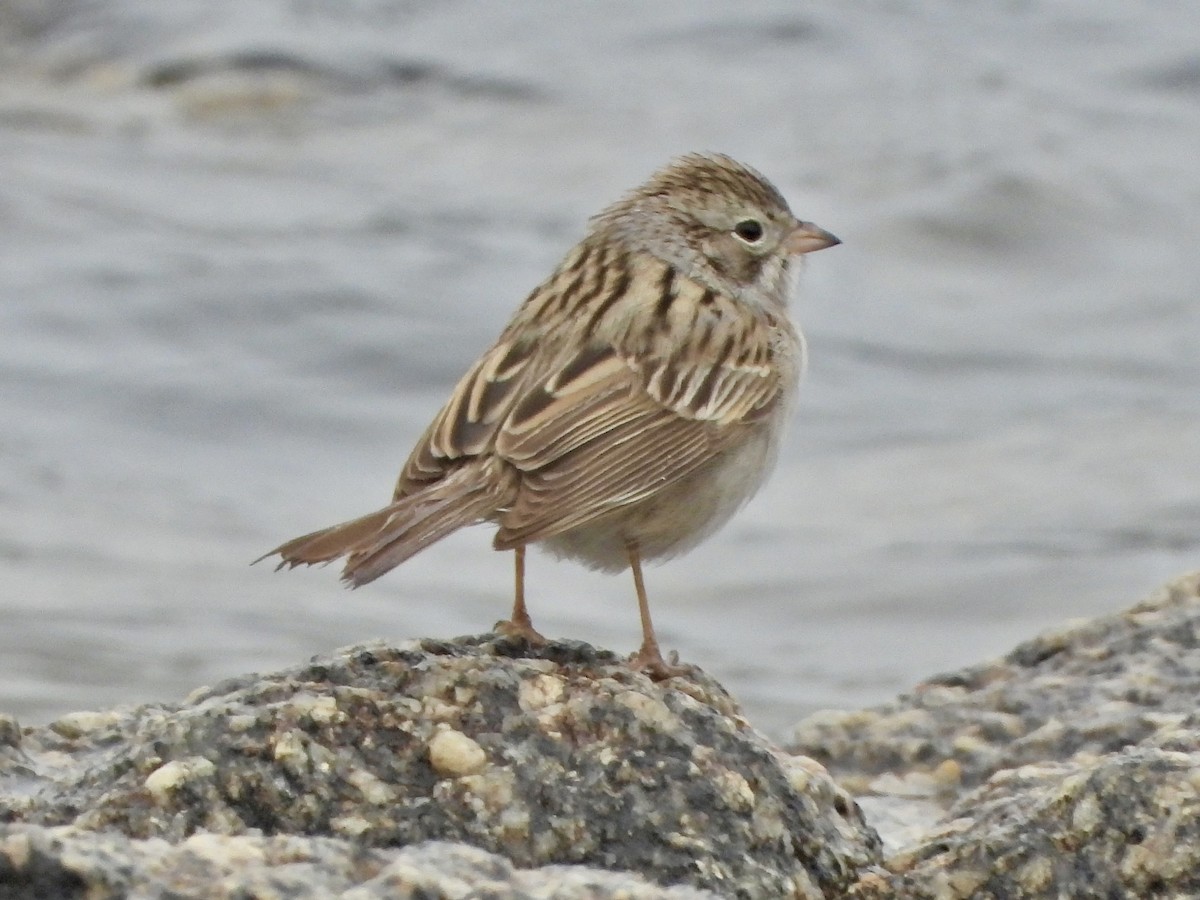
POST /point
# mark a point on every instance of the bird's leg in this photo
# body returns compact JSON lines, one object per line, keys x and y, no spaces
{"x":519,"y":625}
{"x":649,"y":658}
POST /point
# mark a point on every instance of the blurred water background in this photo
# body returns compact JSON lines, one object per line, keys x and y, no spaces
{"x":248,"y":248}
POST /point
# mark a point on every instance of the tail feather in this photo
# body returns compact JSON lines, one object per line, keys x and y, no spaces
{"x":379,"y":541}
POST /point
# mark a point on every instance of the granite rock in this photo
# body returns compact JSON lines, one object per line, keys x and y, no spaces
{"x":1069,"y":768}
{"x":66,"y":862}
{"x":482,"y":767}
{"x":550,"y":756}
{"x":1125,"y":824}
{"x":1091,"y":687}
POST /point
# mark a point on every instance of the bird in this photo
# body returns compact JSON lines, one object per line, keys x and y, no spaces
{"x":633,"y":403}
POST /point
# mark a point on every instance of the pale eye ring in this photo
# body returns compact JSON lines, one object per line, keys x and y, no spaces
{"x":749,"y":230}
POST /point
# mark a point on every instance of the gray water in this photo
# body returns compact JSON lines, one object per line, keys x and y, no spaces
{"x":248,"y":248}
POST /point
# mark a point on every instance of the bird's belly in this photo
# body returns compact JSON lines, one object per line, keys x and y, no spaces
{"x":679,"y":517}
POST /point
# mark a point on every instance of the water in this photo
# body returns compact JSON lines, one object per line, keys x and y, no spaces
{"x":248,"y":248}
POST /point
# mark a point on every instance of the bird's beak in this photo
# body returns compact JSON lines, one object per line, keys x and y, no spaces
{"x":807,"y":237}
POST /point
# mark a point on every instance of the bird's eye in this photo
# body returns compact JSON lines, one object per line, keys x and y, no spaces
{"x":749,"y":230}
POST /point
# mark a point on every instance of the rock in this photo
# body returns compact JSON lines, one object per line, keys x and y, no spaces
{"x":67,"y":862}
{"x":1126,"y":824}
{"x":1066,"y":769}
{"x":555,"y":756}
{"x":482,"y":767}
{"x":1093,"y":687}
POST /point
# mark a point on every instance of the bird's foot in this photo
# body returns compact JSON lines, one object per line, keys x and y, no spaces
{"x":517,"y":630}
{"x":649,"y":659}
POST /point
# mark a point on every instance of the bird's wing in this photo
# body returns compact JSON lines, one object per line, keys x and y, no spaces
{"x":466,"y":426}
{"x":599,"y":407}
{"x":604,"y":429}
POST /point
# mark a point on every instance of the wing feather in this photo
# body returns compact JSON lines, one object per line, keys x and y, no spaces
{"x":467,"y":424}
{"x":625,"y":467}
{"x":620,"y":436}
{"x":635,"y":406}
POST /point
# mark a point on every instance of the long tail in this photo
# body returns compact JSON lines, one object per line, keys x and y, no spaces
{"x":378,"y":542}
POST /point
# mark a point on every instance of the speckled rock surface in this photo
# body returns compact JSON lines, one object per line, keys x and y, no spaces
{"x":482,"y":768}
{"x":560,"y":755}
{"x":1095,"y":687}
{"x":66,"y":862}
{"x":1122,"y":825}
{"x":1070,"y":768}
